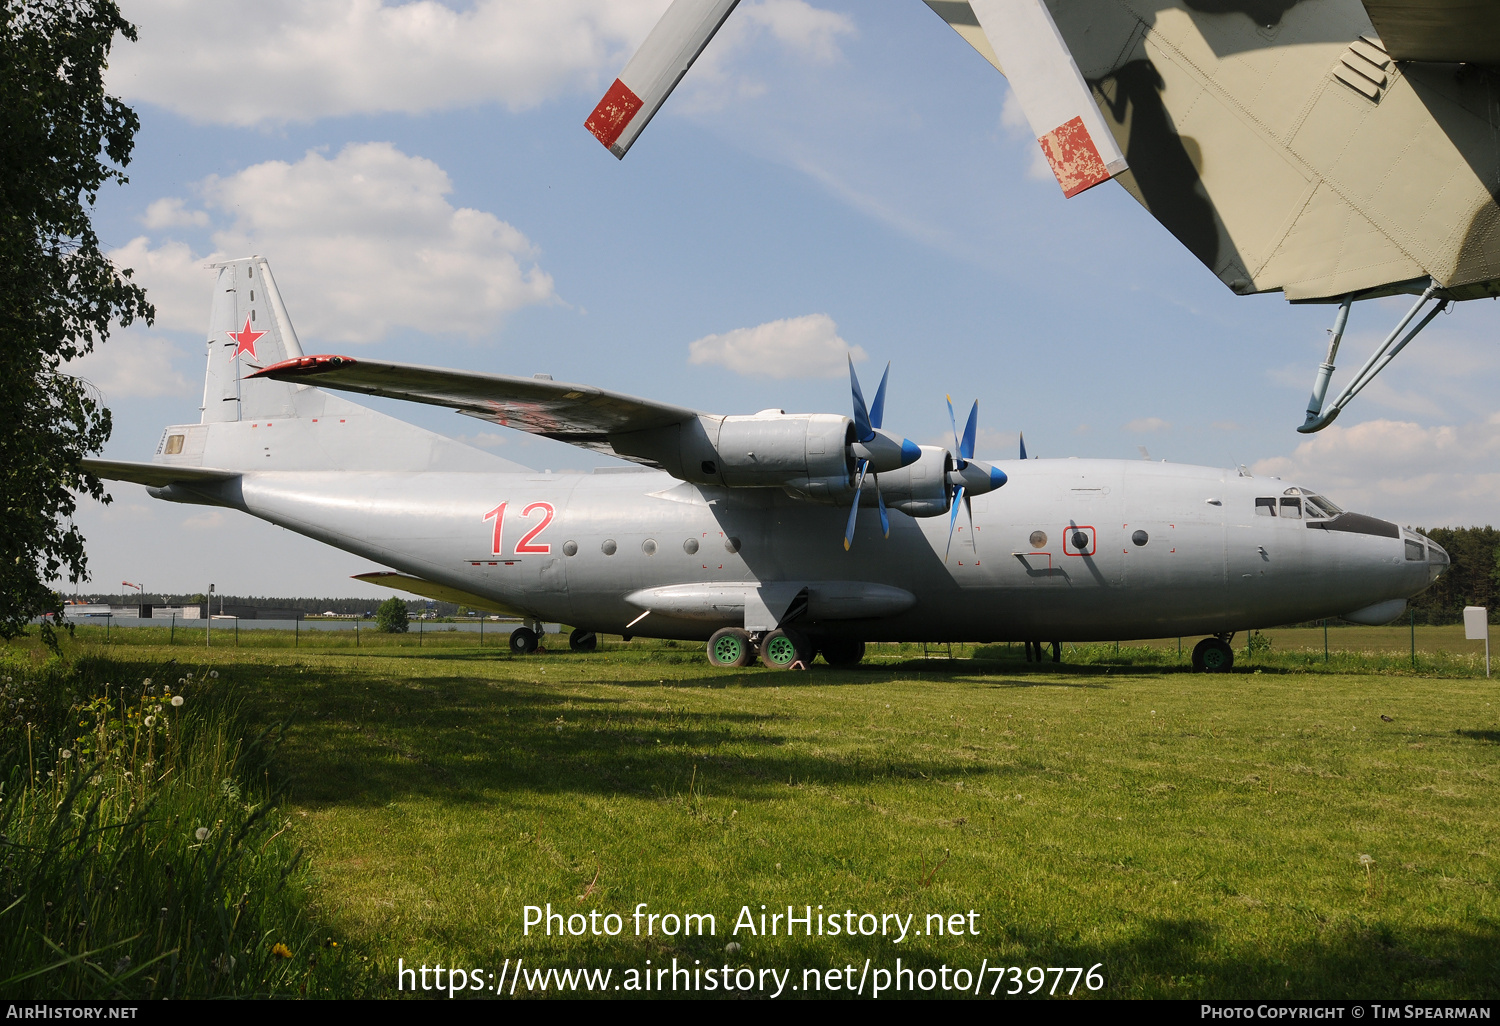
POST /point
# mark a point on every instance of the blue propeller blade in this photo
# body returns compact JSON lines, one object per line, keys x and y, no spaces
{"x":971,"y":429}
{"x":958,"y":493}
{"x":1023,"y":445}
{"x":953,"y":422}
{"x":885,"y":520}
{"x":863,"y":432}
{"x":854,"y":510}
{"x":877,"y":411}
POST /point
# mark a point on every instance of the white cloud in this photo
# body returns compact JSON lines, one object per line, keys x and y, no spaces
{"x":801,"y":27}
{"x":171,"y":212}
{"x":282,"y":61}
{"x":795,"y":347}
{"x":1147,"y":425}
{"x":1013,"y":120}
{"x":133,"y":364}
{"x":1437,"y":476}
{"x":361,"y":244}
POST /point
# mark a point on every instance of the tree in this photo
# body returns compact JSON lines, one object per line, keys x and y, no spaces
{"x":59,"y":295}
{"x":391,"y":618}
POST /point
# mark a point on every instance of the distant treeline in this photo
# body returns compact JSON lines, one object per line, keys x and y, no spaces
{"x":1472,"y":580}
{"x":308,"y":606}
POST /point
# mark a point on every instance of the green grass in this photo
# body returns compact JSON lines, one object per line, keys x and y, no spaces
{"x":141,"y":855}
{"x":1265,"y":834}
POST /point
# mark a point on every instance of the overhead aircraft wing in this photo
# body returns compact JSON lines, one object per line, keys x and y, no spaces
{"x":578,"y":414}
{"x":155,"y":475}
{"x":1446,"y":31}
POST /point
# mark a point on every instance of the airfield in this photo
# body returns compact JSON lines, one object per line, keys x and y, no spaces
{"x":1297,"y":828}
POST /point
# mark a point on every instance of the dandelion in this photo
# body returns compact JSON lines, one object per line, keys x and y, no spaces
{"x":201,"y":833}
{"x":147,"y":682}
{"x":177,"y":700}
{"x":150,"y":721}
{"x":732,"y":948}
{"x":67,"y":753}
{"x":214,"y":674}
{"x":281,"y":950}
{"x":122,"y":965}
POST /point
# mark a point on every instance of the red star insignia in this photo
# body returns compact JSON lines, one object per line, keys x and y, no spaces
{"x":245,"y":340}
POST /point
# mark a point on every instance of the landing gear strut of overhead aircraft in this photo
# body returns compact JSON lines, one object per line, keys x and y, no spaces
{"x":1213,"y":655}
{"x":730,"y":648}
{"x":583,"y":641}
{"x":839,"y":652}
{"x":524,"y":641}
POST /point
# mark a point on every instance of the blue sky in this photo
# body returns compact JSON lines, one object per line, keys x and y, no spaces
{"x":829,"y":176}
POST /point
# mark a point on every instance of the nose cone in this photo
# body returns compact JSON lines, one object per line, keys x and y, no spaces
{"x":910,"y":452}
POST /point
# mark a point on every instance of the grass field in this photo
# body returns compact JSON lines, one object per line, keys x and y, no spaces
{"x":1288,"y":830}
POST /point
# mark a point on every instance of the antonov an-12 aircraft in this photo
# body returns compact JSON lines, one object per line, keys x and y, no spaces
{"x":778,"y":535}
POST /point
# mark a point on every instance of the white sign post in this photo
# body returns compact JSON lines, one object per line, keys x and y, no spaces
{"x":1477,"y":628}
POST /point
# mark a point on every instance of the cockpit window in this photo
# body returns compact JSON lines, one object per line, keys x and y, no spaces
{"x":1265,"y":507}
{"x":1291,"y":508}
{"x":1416,"y":551}
{"x":1323,"y":505}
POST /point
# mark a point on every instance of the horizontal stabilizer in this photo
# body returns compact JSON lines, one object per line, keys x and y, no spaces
{"x":577,"y":414}
{"x":674,"y":43}
{"x":1058,"y":103}
{"x":155,"y":475}
{"x":439,"y":592}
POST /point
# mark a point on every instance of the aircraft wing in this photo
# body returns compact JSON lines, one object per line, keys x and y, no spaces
{"x":1446,"y":31}
{"x":440,"y":592}
{"x":155,"y":475}
{"x":578,"y":414}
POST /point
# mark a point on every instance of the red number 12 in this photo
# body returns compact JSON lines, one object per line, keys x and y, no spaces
{"x":498,"y":516}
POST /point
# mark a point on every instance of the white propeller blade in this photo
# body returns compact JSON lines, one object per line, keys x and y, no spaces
{"x":1058,"y":103}
{"x":676,"y":41}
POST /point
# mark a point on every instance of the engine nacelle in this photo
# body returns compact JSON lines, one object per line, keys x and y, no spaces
{"x":919,"y":489}
{"x":808,"y":453}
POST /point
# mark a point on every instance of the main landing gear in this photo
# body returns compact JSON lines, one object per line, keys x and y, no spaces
{"x":1213,"y":655}
{"x":781,"y":649}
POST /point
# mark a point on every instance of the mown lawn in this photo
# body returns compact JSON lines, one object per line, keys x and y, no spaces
{"x":1276,"y":834}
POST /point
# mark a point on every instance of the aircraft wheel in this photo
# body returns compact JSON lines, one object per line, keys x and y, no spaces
{"x":583,"y":641}
{"x":730,"y":648}
{"x":523,"y":641}
{"x":840,"y":652}
{"x":1212,"y":656}
{"x":780,"y":649}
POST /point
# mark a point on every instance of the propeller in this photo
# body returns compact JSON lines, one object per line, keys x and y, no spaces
{"x":1022,"y":436}
{"x":874,"y":451}
{"x":969,"y":477}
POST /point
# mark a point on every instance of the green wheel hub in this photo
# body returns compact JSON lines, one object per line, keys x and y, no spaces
{"x":729,"y":649}
{"x":1213,"y":660}
{"x":781,"y":651}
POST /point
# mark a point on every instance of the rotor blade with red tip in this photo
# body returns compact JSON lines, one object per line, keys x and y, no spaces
{"x":1058,"y":103}
{"x":651,"y":75}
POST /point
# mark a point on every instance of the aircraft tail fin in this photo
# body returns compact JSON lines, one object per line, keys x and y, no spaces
{"x":248,"y":328}
{"x":256,"y":423}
